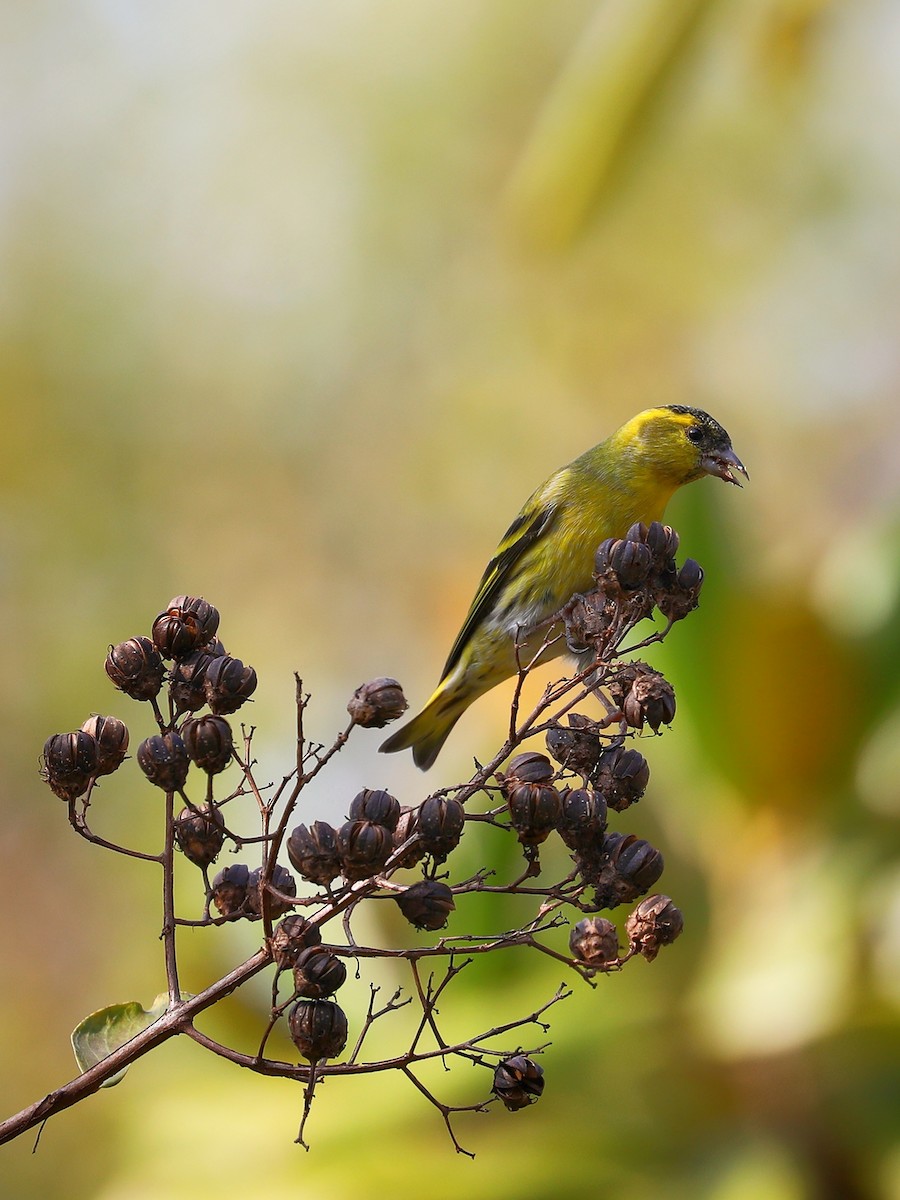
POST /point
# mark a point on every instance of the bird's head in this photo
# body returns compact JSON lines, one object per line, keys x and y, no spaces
{"x":682,"y":444}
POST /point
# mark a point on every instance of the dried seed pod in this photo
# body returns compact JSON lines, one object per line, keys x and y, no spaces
{"x":643,"y":695}
{"x":407,"y":825}
{"x":377,"y":806}
{"x":630,"y":561}
{"x":681,"y":594}
{"x":200,"y":835}
{"x":655,"y":922}
{"x":314,"y":852}
{"x":69,"y":762}
{"x":626,"y":868}
{"x":111,"y":736}
{"x":578,"y":747}
{"x":209,"y":742}
{"x":318,"y":1028}
{"x":582,"y":818}
{"x":282,"y":881}
{"x":364,"y":848}
{"x":622,"y":776}
{"x":291,"y":936}
{"x":229,"y":889}
{"x":164,"y":760}
{"x":589,"y":619}
{"x":441,"y":823}
{"x":374,"y":705}
{"x":663,"y":543}
{"x":518,"y":1082}
{"x":318,"y":973}
{"x":187,"y":681}
{"x":228,"y":684}
{"x":135,"y":667}
{"x":595,"y":941}
{"x":533,"y":811}
{"x":528,"y":767}
{"x":426,"y":904}
{"x":185,"y":625}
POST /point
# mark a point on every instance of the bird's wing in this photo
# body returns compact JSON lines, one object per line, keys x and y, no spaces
{"x":531,"y":524}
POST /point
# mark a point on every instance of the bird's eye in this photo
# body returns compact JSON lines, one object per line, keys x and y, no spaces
{"x":695,"y":435}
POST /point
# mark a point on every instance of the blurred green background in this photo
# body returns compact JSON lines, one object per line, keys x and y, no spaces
{"x":299,"y":301}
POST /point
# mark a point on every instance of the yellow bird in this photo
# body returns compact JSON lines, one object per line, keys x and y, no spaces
{"x":547,"y":554}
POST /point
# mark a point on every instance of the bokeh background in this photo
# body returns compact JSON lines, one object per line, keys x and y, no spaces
{"x":298,"y":302}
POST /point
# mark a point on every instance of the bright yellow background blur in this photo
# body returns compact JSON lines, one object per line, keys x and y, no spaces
{"x":299,"y":302}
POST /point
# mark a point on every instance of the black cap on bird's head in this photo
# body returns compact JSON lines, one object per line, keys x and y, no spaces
{"x":714,"y":455}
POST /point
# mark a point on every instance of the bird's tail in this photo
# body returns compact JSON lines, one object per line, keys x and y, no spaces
{"x":427,"y":732}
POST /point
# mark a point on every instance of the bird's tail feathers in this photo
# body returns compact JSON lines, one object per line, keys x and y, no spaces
{"x":427,"y":732}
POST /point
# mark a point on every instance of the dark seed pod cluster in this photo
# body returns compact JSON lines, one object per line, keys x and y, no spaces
{"x":186,"y":624}
{"x":518,"y":1082}
{"x":643,"y":695}
{"x":625,"y":867}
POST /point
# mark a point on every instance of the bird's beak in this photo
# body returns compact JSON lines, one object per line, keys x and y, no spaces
{"x":724,"y":463}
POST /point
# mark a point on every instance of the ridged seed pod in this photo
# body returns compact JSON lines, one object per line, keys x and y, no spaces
{"x":136,"y":668}
{"x":318,"y":973}
{"x":622,"y":776}
{"x":375,"y":805}
{"x":426,"y":904}
{"x":626,"y":868}
{"x":313,"y":851}
{"x":200,"y":835}
{"x":69,"y":762}
{"x":582,"y":818}
{"x":576,"y":747}
{"x":282,"y":881}
{"x":111,"y":736}
{"x":209,"y":742}
{"x":533,"y":811}
{"x":364,"y":848}
{"x":229,"y":890}
{"x":164,"y":760}
{"x":184,"y":626}
{"x":318,"y":1028}
{"x":440,"y":825}
{"x":228,"y":684}
{"x":187,"y":682}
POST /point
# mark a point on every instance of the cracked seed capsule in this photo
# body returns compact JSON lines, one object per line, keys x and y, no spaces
{"x":533,"y":811}
{"x":595,"y":941}
{"x":318,"y":973}
{"x":622,"y":776}
{"x":291,"y":936}
{"x":626,"y":867}
{"x":229,"y":890}
{"x":185,"y":625}
{"x":577,"y":747}
{"x":518,"y":1082}
{"x":654,"y":923}
{"x":374,"y":705}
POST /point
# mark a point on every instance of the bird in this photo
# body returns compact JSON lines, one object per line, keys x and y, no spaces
{"x":546,"y":556}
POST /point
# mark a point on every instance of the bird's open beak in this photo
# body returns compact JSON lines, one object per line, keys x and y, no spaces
{"x":724,"y":463}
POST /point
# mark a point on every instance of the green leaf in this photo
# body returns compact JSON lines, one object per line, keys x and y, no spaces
{"x":104,"y":1031}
